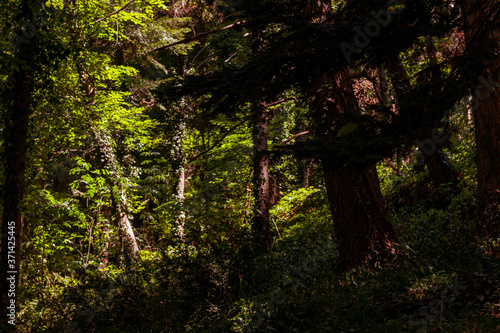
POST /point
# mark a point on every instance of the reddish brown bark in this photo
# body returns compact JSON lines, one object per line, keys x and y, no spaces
{"x":478,"y":16}
{"x":274,"y":192}
{"x":361,"y":221}
{"x":441,"y":170}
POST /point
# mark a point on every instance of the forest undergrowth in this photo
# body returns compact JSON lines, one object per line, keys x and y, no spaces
{"x":444,"y":280}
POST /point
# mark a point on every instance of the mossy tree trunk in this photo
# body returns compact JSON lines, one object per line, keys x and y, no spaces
{"x":118,"y":197}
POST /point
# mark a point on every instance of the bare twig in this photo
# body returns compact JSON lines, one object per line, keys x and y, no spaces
{"x":295,"y":136}
{"x":115,"y":12}
{"x":197,"y":54}
{"x":267,"y":105}
{"x":277,"y":228}
{"x":231,"y":56}
{"x":117,"y":28}
{"x":208,"y":57}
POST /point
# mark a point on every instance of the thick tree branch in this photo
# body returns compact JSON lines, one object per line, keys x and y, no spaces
{"x":115,"y":12}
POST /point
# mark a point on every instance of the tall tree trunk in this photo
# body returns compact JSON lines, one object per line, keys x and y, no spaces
{"x":181,"y":217}
{"x":15,"y":145}
{"x":118,"y":198}
{"x":439,"y":166}
{"x":16,"y":132}
{"x":480,"y":15}
{"x":260,"y":224}
{"x":125,"y":231}
{"x":105,"y":253}
{"x":361,"y":221}
{"x":274,"y":188}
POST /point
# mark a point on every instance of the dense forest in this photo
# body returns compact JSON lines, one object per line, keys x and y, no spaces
{"x":250,"y":165}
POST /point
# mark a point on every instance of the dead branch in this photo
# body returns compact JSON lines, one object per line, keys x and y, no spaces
{"x":115,"y":12}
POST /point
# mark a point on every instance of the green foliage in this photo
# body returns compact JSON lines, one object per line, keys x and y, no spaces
{"x":444,"y":280}
{"x":102,"y":146}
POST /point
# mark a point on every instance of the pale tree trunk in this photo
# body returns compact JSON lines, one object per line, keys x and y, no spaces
{"x":261,"y":186}
{"x":130,"y":246}
{"x":105,"y":253}
{"x":480,"y":19}
{"x":118,"y":197}
{"x":181,"y":217}
{"x":180,"y":168}
{"x":261,"y":181}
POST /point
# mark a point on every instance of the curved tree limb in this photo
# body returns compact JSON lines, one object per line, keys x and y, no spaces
{"x":296,"y":136}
